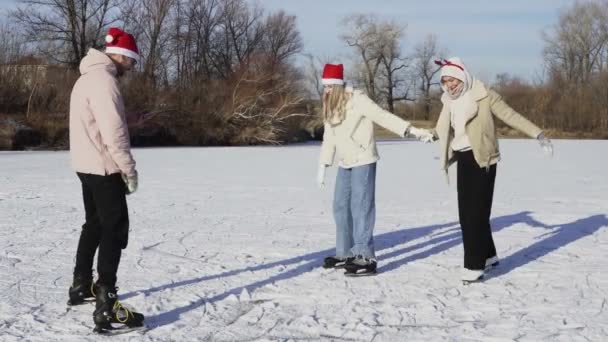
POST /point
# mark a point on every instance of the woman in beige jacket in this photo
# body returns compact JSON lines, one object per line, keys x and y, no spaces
{"x":349,"y":117}
{"x":467,"y":135}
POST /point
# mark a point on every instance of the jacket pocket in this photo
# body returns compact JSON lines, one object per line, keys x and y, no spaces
{"x":358,"y":144}
{"x":489,"y":148}
{"x":362,"y":135}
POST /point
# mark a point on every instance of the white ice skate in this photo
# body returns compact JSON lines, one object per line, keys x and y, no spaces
{"x":492,"y":262}
{"x":471,"y":276}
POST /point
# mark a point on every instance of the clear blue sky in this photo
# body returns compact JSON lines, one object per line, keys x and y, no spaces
{"x":491,"y":36}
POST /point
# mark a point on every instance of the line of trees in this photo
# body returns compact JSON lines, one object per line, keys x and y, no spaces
{"x":215,"y":71}
{"x":571,"y":97}
{"x":225,"y":71}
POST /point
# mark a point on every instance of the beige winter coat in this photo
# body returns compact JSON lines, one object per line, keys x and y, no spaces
{"x":99,"y":138}
{"x":352,"y":141}
{"x":479,"y":126}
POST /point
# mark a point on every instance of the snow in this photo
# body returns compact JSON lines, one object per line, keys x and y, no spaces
{"x":226,"y":244}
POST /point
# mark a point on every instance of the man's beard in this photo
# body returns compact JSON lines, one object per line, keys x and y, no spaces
{"x":120,"y":71}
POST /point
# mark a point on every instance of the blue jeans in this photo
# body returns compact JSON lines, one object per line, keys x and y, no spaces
{"x":355,"y":211}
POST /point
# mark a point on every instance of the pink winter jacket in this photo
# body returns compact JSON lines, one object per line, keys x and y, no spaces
{"x":99,"y":138}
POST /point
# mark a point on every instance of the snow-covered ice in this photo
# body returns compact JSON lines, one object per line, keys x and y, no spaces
{"x":226,"y":244}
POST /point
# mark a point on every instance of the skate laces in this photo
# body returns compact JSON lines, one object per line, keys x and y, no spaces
{"x":363,"y":261}
{"x":121,"y":313}
{"x":118,"y":309}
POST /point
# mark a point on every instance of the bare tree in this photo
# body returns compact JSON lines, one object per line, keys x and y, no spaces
{"x":577,"y":46}
{"x":263,"y":98}
{"x":362,"y":34}
{"x":281,"y":39}
{"x":12,"y":44}
{"x":65,"y":29}
{"x":313,"y":70}
{"x":425,"y":70}
{"x":240,"y":34}
{"x":147,"y":19}
{"x":195,"y":28}
{"x":393,"y":65}
{"x":381,"y":67}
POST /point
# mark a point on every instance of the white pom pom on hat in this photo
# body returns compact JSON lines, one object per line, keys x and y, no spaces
{"x":122,"y":43}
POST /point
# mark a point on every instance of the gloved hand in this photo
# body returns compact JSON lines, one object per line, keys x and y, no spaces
{"x":545,"y":144}
{"x":321,"y":176}
{"x":130,"y":183}
{"x":422,"y":134}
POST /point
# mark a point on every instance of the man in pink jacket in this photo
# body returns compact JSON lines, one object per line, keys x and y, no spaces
{"x":101,"y":156}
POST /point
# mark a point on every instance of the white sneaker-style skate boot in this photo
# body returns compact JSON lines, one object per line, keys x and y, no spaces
{"x":492,"y":262}
{"x":471,"y":276}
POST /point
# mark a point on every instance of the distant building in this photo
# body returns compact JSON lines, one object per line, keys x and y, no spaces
{"x":29,"y":71}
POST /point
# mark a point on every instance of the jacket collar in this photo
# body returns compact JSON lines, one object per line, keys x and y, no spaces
{"x":479,"y":91}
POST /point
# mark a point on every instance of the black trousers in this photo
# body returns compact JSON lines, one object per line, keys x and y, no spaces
{"x":475,"y":192}
{"x":106,"y":226}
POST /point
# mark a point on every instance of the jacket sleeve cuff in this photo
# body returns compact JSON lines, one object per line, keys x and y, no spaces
{"x":406,"y":129}
{"x":326,"y":162}
{"x":131,"y":173}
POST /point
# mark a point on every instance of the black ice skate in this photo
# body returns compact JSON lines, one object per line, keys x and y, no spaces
{"x":335,"y":262}
{"x":109,"y":311}
{"x":360,"y":266}
{"x":82,"y":290}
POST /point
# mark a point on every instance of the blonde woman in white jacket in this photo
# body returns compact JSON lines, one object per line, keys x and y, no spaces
{"x":349,"y":117}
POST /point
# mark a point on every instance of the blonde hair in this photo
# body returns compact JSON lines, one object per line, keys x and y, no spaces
{"x":334,"y":104}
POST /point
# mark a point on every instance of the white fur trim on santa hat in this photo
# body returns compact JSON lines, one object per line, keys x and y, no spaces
{"x":453,"y":71}
{"x":330,"y":81}
{"x":122,"y":51}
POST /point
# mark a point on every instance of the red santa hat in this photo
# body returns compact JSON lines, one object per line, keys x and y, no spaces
{"x":121,"y":43}
{"x":333,"y":74}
